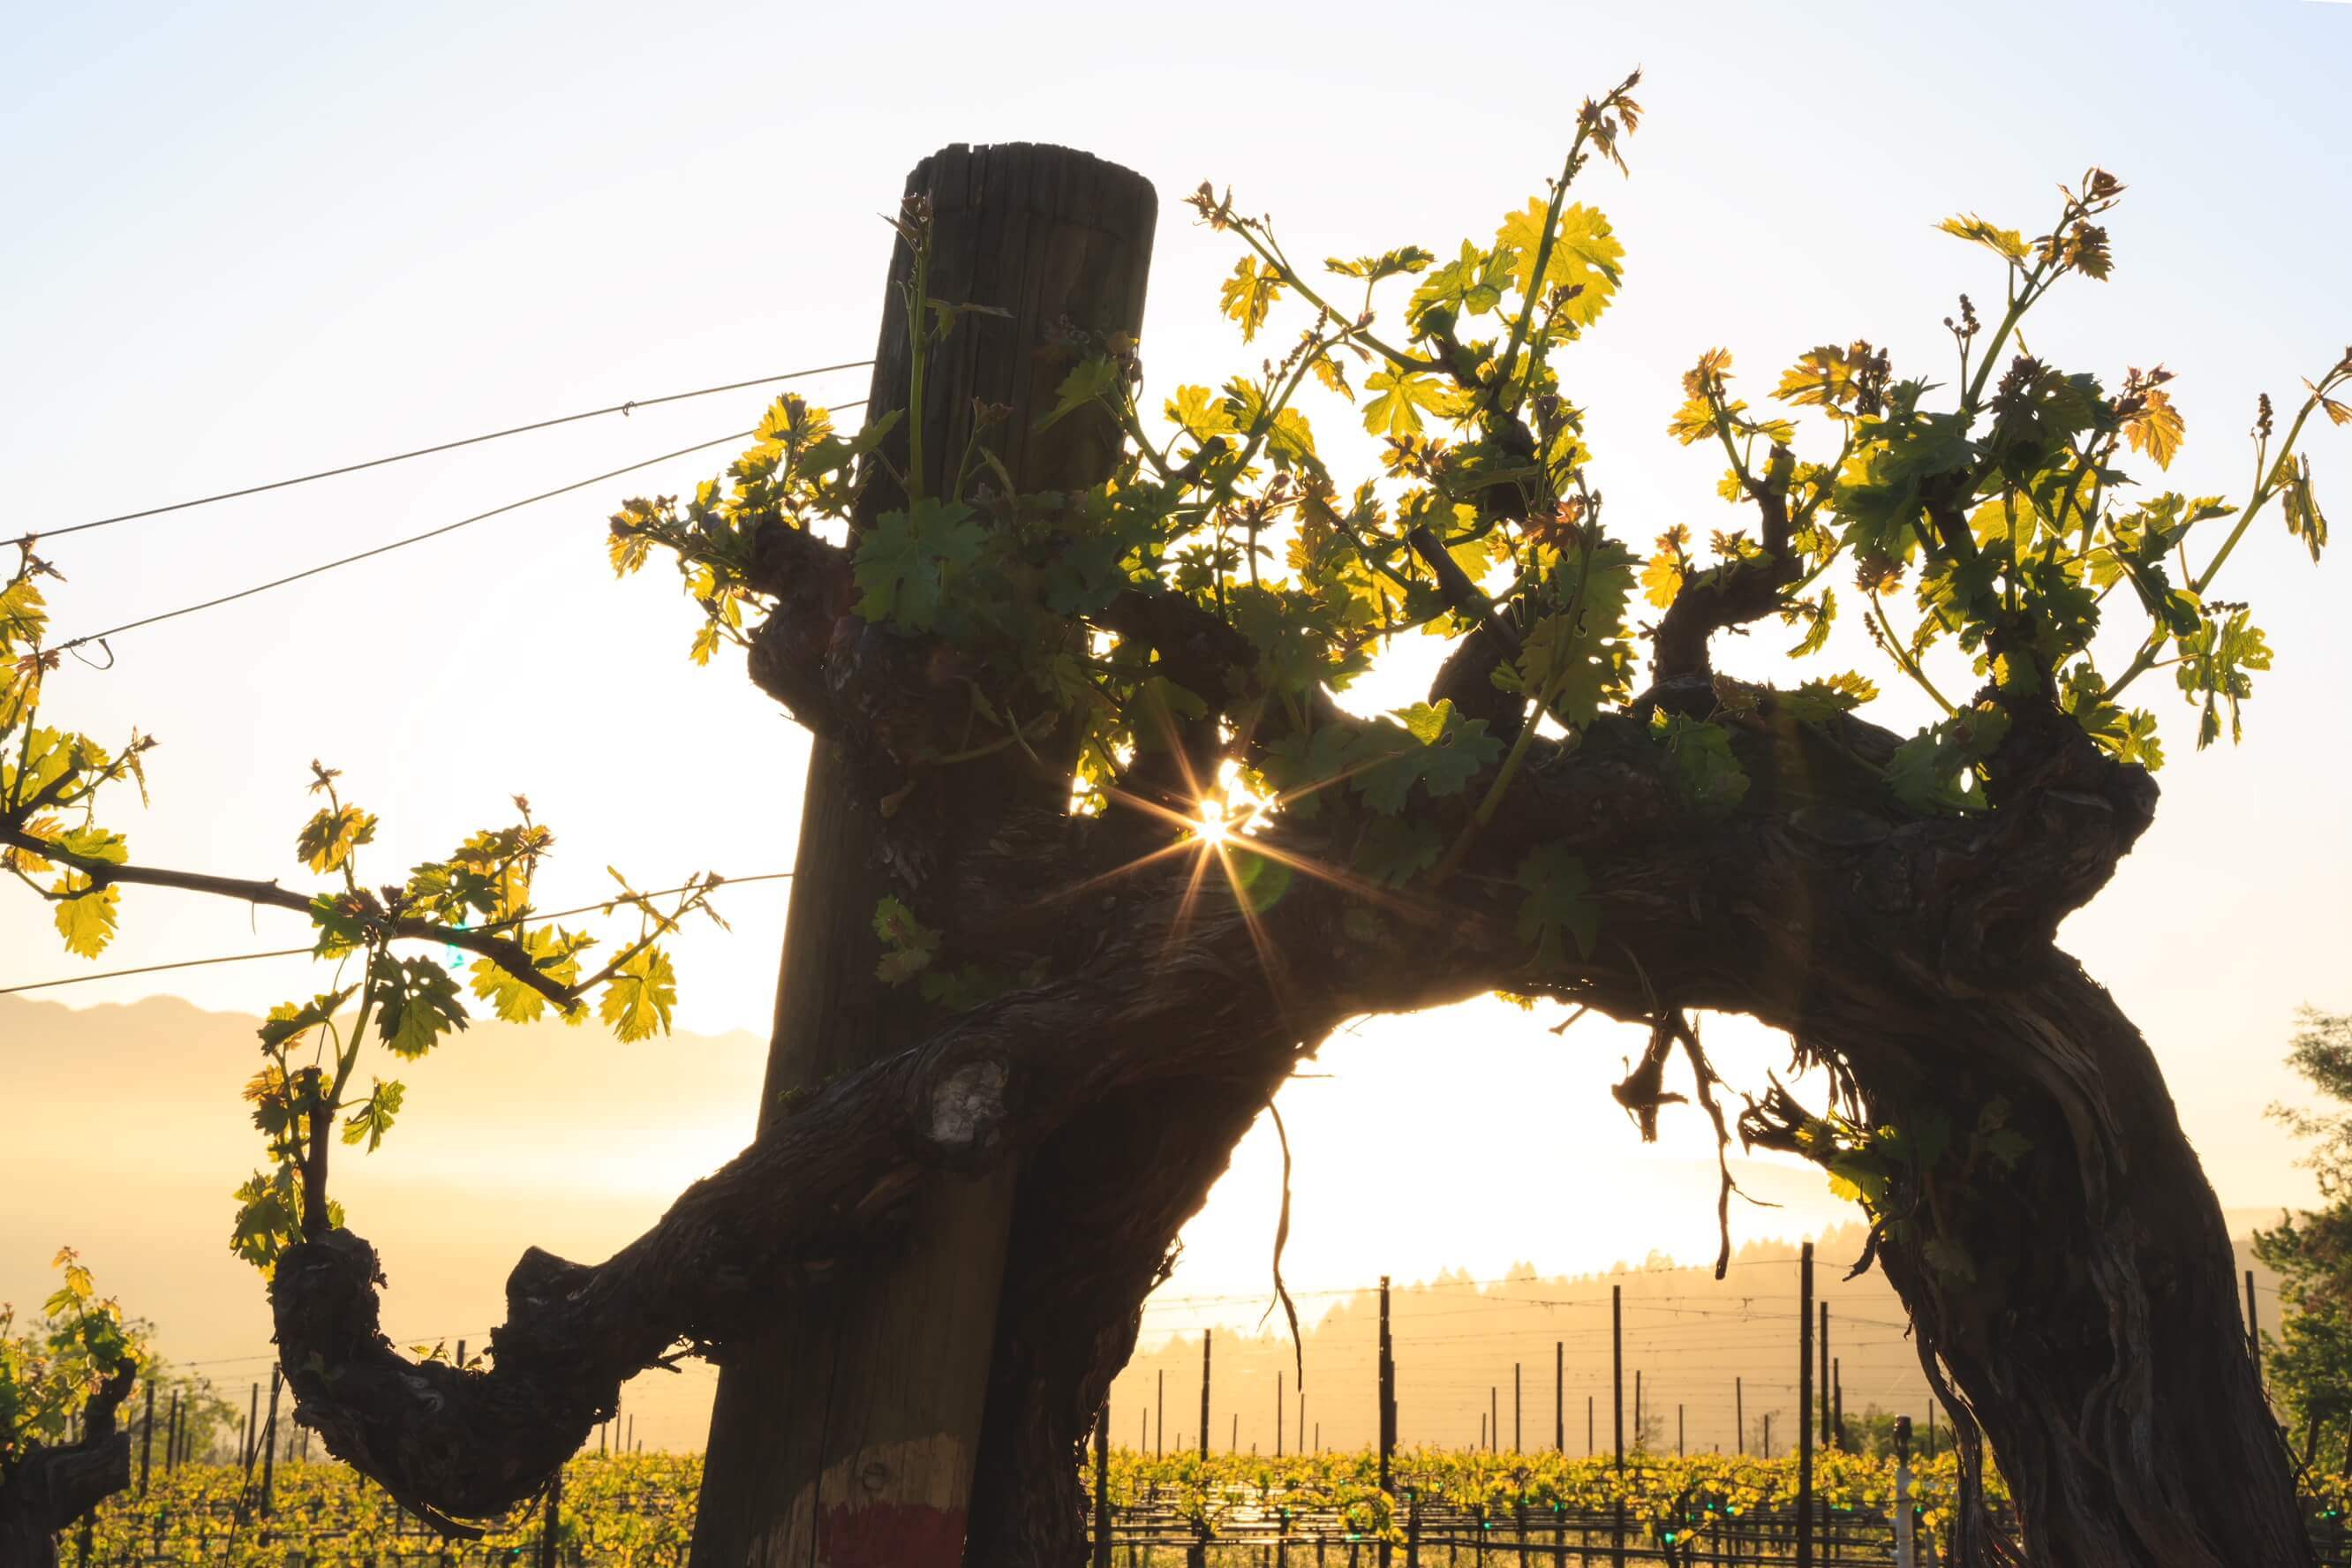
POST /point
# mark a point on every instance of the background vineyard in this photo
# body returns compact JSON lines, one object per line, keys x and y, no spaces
{"x":1454,"y":1508}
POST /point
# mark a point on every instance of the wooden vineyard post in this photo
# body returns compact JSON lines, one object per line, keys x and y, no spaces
{"x":172,"y":1439}
{"x":147,"y":1439}
{"x":1559,"y":1396}
{"x":847,"y":1423}
{"x":269,"y":1446}
{"x":1102,"y":1487}
{"x":1277,"y":1415}
{"x":1205,"y":1337}
{"x":1517,"y":1444}
{"x":1740,"y":1413}
{"x":1160,"y":1418}
{"x":1903,"y":1547}
{"x":1387,"y":1411}
{"x":1617,"y":1413}
{"x":1805,"y":1408}
{"x":1829,"y":1434}
{"x":550,"y":1519}
{"x":1837,"y":1403}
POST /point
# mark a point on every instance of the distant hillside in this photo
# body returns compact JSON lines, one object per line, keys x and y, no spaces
{"x":566,"y":1138}
{"x":512,"y":1136}
{"x":1699,"y":1348}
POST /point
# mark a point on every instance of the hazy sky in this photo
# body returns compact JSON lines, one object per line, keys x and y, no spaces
{"x":250,"y":241}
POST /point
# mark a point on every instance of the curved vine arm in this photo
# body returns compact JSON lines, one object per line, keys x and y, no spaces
{"x":504,"y":951}
{"x":1188,"y":982}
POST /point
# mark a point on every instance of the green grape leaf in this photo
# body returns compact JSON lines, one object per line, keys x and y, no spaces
{"x":1472,"y":283}
{"x":1817,"y":700}
{"x":287,"y":1023}
{"x":268,"y":1218}
{"x":1712,"y":779}
{"x":1396,"y":848}
{"x":905,"y":560}
{"x":1373,"y":269}
{"x":1559,"y":900}
{"x":2300,"y":504}
{"x":1094,"y":377}
{"x":1934,"y":771}
{"x":907,"y":943}
{"x":374,"y":1116}
{"x":327,"y":839}
{"x":416,"y":1003}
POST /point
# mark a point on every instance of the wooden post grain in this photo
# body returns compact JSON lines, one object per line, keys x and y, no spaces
{"x":846,"y":1430}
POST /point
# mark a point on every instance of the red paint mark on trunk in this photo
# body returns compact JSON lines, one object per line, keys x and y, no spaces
{"x":890,"y":1535}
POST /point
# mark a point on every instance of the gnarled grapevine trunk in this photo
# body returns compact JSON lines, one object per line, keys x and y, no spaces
{"x":52,"y":1488}
{"x":2080,"y":1298}
{"x":1099,"y":1209}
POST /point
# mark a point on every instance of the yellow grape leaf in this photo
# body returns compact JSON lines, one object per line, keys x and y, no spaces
{"x":1694,"y":421}
{"x":638,"y":1001}
{"x":2157,"y":428}
{"x":1822,"y":378}
{"x":1249,"y":294}
{"x":86,"y":920}
{"x":1333,"y":375}
{"x":2006,"y":242}
{"x":2338,"y":413}
{"x":554,"y":952}
{"x":1662,"y":579}
{"x":327,"y":839}
{"x":1585,"y":254}
{"x":1200,"y":411}
{"x":1403,"y":396}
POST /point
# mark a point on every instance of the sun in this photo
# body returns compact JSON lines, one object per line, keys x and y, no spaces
{"x":1210,"y":824}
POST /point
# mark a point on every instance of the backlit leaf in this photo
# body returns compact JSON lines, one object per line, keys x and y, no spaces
{"x":2156,"y":429}
{"x":638,"y":1001}
{"x":1249,"y":294}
